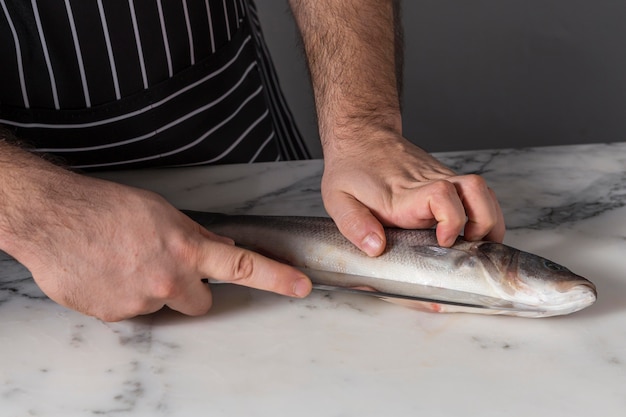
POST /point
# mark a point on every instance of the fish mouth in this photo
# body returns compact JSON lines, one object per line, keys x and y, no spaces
{"x":577,"y":297}
{"x":583,"y":286}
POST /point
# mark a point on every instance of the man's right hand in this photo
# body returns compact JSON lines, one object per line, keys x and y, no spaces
{"x":115,"y":252}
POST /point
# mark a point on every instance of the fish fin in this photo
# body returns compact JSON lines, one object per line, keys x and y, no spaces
{"x":427,"y":307}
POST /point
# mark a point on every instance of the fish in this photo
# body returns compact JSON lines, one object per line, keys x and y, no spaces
{"x":469,"y":277}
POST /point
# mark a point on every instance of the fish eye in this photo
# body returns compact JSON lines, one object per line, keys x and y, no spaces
{"x":553,"y":266}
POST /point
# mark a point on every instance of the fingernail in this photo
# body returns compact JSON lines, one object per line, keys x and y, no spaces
{"x":302,"y":287}
{"x":372,"y":244}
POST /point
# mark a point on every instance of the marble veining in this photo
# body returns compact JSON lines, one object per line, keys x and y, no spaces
{"x":259,"y":354}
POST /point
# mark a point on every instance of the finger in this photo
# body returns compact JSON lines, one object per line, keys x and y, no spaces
{"x":357,"y":223}
{"x":194,"y":298}
{"x":436,"y":202}
{"x":243,"y":267}
{"x":485,"y":219}
{"x":499,"y":230}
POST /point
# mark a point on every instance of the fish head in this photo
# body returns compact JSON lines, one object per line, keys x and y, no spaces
{"x":535,"y":281}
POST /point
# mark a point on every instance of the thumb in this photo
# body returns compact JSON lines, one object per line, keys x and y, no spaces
{"x":357,"y":223}
{"x":229,"y":263}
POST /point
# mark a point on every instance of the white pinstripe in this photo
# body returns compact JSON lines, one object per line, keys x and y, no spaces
{"x":166,"y":43}
{"x":107,"y":38}
{"x":226,"y":19}
{"x":142,"y":64}
{"x":137,"y":112}
{"x":263,"y":145}
{"x":208,"y":12}
{"x":18,"y":55}
{"x":233,"y":145}
{"x":192,"y":144}
{"x":168,"y":125}
{"x":79,"y":56}
{"x":46,"y":54}
{"x":192,"y":53}
{"x":110,"y":36}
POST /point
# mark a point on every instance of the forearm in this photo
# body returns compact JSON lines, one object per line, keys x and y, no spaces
{"x":372,"y":174}
{"x":353,"y":48}
{"x":29,"y":191}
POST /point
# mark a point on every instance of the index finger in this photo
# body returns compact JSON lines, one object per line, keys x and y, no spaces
{"x":233,"y":264}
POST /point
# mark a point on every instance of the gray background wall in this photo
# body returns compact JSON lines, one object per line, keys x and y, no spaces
{"x":491,"y":73}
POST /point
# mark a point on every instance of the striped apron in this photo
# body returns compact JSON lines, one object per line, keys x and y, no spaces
{"x":110,"y":84}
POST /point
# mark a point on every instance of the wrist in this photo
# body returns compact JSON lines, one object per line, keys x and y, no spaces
{"x":358,"y":130}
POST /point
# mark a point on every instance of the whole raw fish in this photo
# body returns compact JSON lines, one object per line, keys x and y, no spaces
{"x":503,"y":279}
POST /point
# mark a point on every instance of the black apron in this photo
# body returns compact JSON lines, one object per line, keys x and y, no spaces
{"x":109,"y":84}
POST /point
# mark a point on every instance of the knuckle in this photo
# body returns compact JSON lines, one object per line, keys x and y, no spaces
{"x":442,"y":192}
{"x":475,"y":186}
{"x":475,"y":181}
{"x":351,"y":223}
{"x":164,"y":288}
{"x":181,"y":247}
{"x":478,"y":230}
{"x":443,"y":188}
{"x":242,"y":266}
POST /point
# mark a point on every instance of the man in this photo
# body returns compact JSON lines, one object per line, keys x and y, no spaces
{"x":112,"y":84}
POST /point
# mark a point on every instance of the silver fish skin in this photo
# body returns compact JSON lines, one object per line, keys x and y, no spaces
{"x":413,"y":264}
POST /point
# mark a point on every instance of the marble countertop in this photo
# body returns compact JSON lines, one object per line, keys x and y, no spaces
{"x":259,"y":354}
